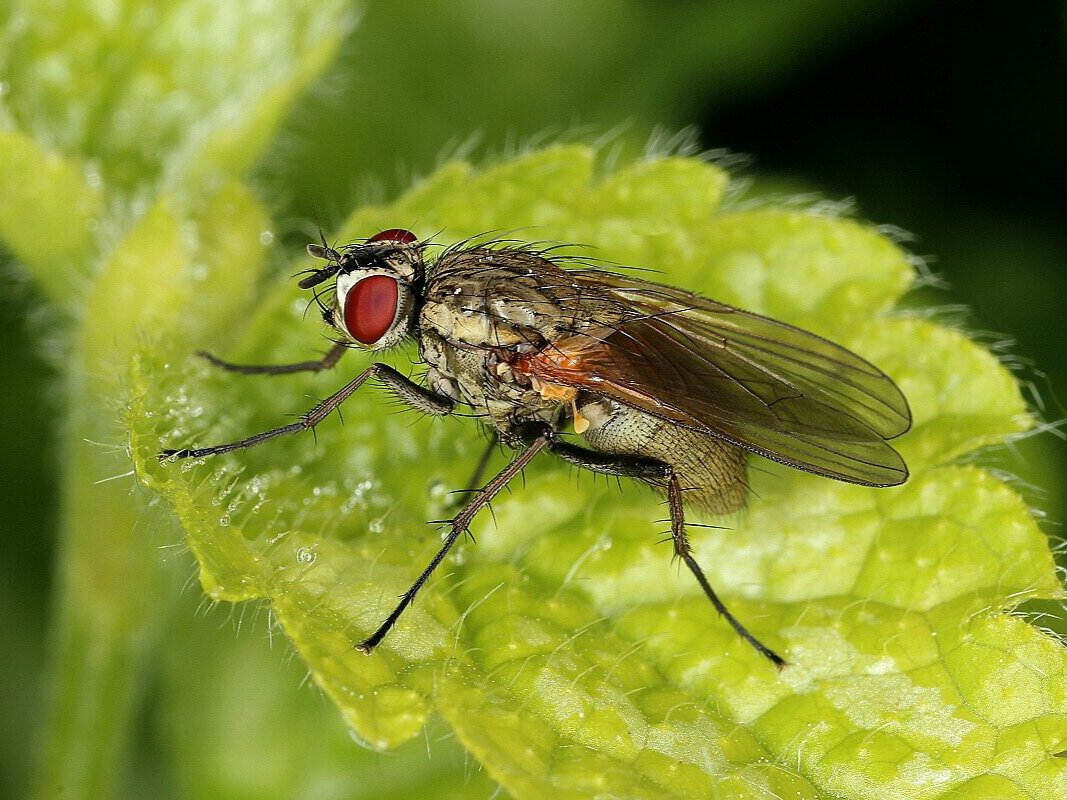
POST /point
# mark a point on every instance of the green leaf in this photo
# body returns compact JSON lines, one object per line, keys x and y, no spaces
{"x":123,"y":130}
{"x":244,"y":725}
{"x":181,"y":92}
{"x":170,"y":273}
{"x":564,"y":649}
{"x":48,"y":210}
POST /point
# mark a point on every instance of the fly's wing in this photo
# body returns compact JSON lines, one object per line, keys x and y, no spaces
{"x":766,"y":386}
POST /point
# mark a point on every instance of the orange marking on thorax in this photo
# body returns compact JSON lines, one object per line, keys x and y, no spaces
{"x":562,"y":359}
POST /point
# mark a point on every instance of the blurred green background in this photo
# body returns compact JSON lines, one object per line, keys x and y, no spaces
{"x":947,"y":120}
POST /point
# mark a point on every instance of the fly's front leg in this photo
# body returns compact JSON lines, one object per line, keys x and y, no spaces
{"x":659,"y":473}
{"x":407,"y":390}
{"x":331,"y":357}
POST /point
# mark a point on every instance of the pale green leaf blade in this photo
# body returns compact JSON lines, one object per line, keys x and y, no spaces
{"x":245,"y":724}
{"x":173,"y":276}
{"x":565,"y":650}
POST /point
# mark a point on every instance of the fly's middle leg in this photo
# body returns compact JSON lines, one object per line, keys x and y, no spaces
{"x":460,"y":524}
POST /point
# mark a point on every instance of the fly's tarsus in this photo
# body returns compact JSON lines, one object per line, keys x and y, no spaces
{"x":240,"y":444}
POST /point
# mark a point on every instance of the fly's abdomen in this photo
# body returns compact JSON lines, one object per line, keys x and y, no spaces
{"x":712,"y":472}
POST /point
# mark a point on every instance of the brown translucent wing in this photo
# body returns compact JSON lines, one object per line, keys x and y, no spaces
{"x":766,"y":386}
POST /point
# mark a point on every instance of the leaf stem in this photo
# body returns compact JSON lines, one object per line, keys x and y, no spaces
{"x":109,"y":605}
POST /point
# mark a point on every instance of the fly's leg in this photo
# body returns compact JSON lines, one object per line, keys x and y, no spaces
{"x":328,"y":360}
{"x":660,"y":473}
{"x":682,"y":549}
{"x":479,"y":471}
{"x":460,"y":523}
{"x":483,"y":462}
{"x":407,"y":390}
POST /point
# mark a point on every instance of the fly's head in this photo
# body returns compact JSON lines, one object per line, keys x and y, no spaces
{"x":378,"y":287}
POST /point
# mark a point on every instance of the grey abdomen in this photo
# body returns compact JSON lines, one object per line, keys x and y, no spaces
{"x":712,"y":472}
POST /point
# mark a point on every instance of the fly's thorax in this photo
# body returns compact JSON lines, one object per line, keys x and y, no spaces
{"x":485,"y":310}
{"x":478,"y":376}
{"x":503,"y":298}
{"x":440,"y":373}
{"x":458,"y":372}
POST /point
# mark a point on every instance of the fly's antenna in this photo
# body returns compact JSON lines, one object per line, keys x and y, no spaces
{"x":327,"y":253}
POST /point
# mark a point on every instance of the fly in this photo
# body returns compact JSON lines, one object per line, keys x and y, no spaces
{"x":659,"y":384}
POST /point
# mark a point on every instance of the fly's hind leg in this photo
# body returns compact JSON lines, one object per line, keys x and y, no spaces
{"x":684,"y":552}
{"x":328,"y":360}
{"x":660,"y":474}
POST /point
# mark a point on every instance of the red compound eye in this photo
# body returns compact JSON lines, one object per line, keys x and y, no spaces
{"x":370,"y":308}
{"x":394,"y":235}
